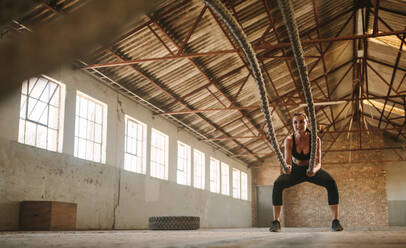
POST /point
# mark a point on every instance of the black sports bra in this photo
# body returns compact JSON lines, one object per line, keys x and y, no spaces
{"x":300,"y":156}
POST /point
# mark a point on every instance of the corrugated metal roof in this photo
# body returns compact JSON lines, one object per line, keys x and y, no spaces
{"x":212,"y":81}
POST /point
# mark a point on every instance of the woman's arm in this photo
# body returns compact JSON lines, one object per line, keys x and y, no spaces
{"x":288,"y":154}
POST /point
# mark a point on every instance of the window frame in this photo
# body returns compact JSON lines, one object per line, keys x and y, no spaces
{"x":235,"y":187}
{"x":128,"y":166}
{"x":214,"y":181}
{"x":23,"y":133}
{"x":225,"y":179}
{"x":202,"y":173}
{"x":244,"y":186}
{"x":187,"y":165}
{"x":165,"y":155}
{"x":103,"y":128}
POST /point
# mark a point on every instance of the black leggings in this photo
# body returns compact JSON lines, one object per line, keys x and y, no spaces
{"x":298,"y":175}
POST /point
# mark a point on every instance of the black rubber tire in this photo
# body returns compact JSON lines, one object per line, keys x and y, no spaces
{"x":174,"y":223}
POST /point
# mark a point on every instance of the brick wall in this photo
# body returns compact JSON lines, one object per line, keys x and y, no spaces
{"x":361,"y":183}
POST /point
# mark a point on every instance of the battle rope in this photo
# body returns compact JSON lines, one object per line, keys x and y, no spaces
{"x":293,"y":32}
{"x":241,"y":38}
{"x":239,"y":35}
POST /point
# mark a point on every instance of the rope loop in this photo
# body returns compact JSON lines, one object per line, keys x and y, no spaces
{"x":242,"y":40}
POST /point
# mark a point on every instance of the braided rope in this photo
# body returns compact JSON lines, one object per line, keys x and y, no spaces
{"x":287,"y":13}
{"x":242,"y":40}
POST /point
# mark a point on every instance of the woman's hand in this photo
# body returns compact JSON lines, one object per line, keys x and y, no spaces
{"x":288,"y":169}
{"x":310,"y":173}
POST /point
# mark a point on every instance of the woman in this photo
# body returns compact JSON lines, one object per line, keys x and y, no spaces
{"x":297,"y":155}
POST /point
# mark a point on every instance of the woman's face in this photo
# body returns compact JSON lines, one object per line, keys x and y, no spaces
{"x":299,"y":123}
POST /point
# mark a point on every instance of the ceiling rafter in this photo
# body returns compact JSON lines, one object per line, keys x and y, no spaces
{"x":383,"y":80}
{"x":267,"y":142}
{"x":401,"y":81}
{"x":394,"y":125}
{"x":249,"y":115}
{"x":404,"y":121}
{"x":275,"y":30}
{"x":257,"y":107}
{"x":393,"y":75}
{"x":325,"y":151}
{"x":193,"y":92}
{"x":331,"y":39}
{"x":198,"y":68}
{"x":173,"y":96}
{"x":189,"y":34}
{"x":161,"y":87}
{"x":179,"y":56}
{"x":385,"y":24}
{"x":394,"y":11}
{"x":322,"y":53}
{"x":274,"y":104}
{"x":140,"y":27}
{"x":332,"y":20}
{"x":342,"y":78}
{"x":235,"y":97}
{"x":385,"y":64}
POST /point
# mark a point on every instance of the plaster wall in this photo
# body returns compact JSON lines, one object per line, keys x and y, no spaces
{"x":107,"y":195}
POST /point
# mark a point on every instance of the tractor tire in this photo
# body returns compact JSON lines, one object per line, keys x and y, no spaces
{"x":174,"y":223}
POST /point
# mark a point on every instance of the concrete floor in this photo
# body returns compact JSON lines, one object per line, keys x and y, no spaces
{"x":388,"y":237}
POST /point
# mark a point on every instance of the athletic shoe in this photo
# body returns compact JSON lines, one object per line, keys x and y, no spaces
{"x":275,"y":227}
{"x":336,"y":226}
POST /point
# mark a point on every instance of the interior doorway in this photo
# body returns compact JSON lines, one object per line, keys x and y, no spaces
{"x":264,"y":205}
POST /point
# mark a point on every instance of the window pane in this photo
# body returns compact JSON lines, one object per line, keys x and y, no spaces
{"x":99,"y":114}
{"x":244,"y":186}
{"x":53,"y":117}
{"x":38,"y":88}
{"x":82,"y":148}
{"x":41,"y":136}
{"x":158,"y":154}
{"x":54,"y":91}
{"x":21,"y":131}
{"x":89,"y":150}
{"x":83,"y":107}
{"x":98,"y":133}
{"x":82,"y":128}
{"x":77,"y":127}
{"x":134,"y":145}
{"x":43,"y":116}
{"x":236,"y":183}
{"x":183,"y":175}
{"x":23,"y":107}
{"x":91,"y":111}
{"x":89,"y":130}
{"x":214,"y":175}
{"x":31,"y":133}
{"x":32,"y":84}
{"x":45,"y":95}
{"x":225,"y":180}
{"x":52,"y":140}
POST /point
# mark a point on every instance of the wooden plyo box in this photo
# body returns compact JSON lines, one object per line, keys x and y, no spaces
{"x":47,"y":215}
